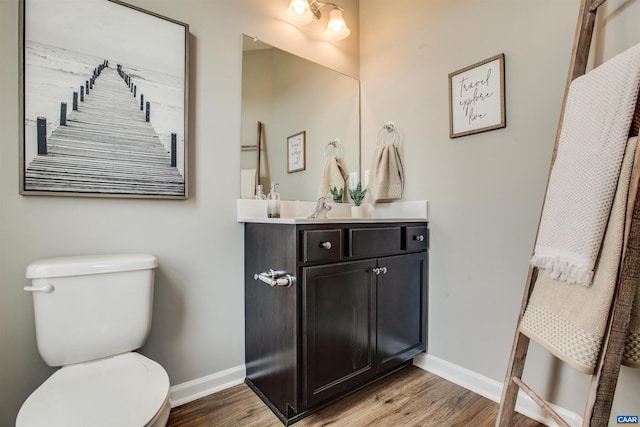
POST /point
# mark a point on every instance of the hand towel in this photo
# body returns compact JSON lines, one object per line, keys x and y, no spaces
{"x":595,"y":128}
{"x":334,"y":174}
{"x":386,"y":182}
{"x":570,"y":320}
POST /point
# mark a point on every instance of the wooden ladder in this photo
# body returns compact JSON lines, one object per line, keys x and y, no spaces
{"x":605,"y":376}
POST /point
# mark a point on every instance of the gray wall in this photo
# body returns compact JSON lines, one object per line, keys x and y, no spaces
{"x":485,"y":190}
{"x":198,"y":319}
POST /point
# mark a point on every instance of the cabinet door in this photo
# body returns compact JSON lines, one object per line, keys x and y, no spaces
{"x":338,"y":321}
{"x":401,"y":308}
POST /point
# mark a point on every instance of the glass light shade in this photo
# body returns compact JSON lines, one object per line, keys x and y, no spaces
{"x":299,"y":12}
{"x":336,"y":28}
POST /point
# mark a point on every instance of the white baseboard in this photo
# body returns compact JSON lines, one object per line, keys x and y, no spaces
{"x":484,"y":386}
{"x":191,"y":390}
{"x":491,"y":389}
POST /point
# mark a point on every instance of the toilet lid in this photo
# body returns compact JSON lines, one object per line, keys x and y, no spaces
{"x":123,"y":390}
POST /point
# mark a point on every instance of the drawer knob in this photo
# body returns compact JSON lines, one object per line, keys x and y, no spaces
{"x":419,"y":238}
{"x":326,"y":245}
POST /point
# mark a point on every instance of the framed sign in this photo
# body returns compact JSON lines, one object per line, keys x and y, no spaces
{"x":296,"y":152}
{"x":476,"y":98}
{"x":104,"y":100}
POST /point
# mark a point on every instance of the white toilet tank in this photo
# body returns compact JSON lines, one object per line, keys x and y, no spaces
{"x":90,"y":307}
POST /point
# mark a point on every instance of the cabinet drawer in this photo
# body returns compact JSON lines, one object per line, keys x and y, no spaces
{"x":416,"y":237}
{"x":322,"y":245}
{"x":375,"y":241}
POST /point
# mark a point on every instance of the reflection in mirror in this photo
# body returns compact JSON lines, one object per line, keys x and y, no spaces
{"x":289,"y":95}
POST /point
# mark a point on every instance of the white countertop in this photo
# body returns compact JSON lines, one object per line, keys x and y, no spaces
{"x":329,"y":220}
{"x":297,"y":212}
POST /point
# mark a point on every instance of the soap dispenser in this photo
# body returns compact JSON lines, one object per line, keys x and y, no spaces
{"x":259,"y":193}
{"x":273,"y":202}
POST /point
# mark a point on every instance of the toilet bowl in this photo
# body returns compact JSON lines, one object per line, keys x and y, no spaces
{"x":124,"y":390}
{"x":91,"y":313}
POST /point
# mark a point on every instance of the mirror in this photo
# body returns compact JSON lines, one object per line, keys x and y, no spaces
{"x":301,"y":107}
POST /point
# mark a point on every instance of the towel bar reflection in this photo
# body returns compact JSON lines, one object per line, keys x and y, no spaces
{"x":334,"y":149}
{"x":276,"y":278}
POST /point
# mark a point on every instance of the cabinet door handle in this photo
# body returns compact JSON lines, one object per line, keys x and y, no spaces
{"x":326,"y":245}
{"x":379,"y":270}
{"x":419,"y":238}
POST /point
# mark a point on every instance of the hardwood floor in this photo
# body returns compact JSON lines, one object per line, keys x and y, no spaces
{"x":410,"y":397}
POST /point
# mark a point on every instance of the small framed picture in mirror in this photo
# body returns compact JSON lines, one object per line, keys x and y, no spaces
{"x":296,"y":152}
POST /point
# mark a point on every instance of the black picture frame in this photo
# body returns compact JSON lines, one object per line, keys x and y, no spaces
{"x":104,"y":101}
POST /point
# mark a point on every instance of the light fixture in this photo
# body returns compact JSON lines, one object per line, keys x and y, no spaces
{"x":336,"y":28}
{"x":302,"y":12}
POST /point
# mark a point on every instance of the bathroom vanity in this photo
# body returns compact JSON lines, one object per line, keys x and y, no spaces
{"x":348,"y":306}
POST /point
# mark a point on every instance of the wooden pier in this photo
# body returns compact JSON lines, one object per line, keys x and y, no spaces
{"x":106,"y":146}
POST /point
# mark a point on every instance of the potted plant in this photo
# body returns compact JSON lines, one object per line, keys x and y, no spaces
{"x":357,"y":196}
{"x":337,"y":194}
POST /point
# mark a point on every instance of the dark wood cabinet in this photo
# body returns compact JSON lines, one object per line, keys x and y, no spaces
{"x":356,"y":312}
{"x":401,"y":299}
{"x":338,"y":333}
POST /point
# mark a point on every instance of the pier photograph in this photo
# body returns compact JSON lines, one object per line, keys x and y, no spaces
{"x":104,"y":87}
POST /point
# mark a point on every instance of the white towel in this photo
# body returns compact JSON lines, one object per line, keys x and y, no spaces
{"x":334,"y":175}
{"x":598,"y":114}
{"x":386,"y":182}
{"x":247,"y":183}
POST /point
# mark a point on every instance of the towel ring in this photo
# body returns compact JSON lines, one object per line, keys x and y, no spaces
{"x":333,"y":149}
{"x":390,"y":129}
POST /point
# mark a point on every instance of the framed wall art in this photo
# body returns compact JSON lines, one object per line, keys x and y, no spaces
{"x":296,"y":152}
{"x":104,"y":105}
{"x":476,"y":98}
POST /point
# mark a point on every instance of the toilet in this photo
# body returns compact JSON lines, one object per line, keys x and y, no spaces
{"x":91,"y":313}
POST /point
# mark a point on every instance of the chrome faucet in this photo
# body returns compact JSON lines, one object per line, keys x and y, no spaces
{"x":321,"y":209}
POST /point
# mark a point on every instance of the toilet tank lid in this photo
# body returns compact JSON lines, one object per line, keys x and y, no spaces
{"x":92,"y":264}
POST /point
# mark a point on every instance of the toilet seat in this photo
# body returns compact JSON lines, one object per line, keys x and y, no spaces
{"x":124,"y":390}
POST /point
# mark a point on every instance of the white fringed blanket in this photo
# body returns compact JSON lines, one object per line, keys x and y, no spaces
{"x":595,"y":128}
{"x":570,"y":320}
